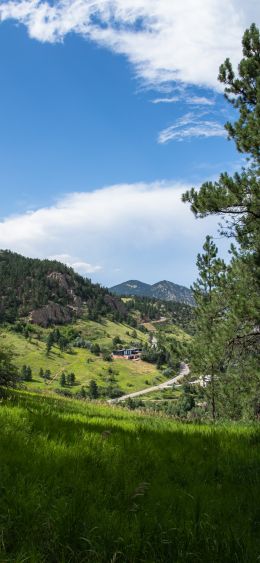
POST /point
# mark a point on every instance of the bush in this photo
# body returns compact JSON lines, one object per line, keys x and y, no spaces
{"x":168,"y":372}
{"x":106,"y":355}
{"x":95,"y":349}
{"x":117,"y":340}
{"x":113,"y":392}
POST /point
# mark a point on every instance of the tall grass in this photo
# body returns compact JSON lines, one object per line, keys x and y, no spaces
{"x":89,"y":483}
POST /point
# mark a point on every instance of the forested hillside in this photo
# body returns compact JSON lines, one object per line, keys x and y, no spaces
{"x":50,"y":292}
{"x":163,"y":290}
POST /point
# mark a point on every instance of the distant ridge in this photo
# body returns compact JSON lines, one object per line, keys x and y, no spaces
{"x":163,"y":290}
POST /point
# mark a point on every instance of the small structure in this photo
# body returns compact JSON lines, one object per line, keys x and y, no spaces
{"x":128,"y":354}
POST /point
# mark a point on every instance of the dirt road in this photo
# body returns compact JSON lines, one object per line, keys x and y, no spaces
{"x":184,"y":370}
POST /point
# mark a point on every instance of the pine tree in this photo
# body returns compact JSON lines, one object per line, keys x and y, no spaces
{"x":8,"y":372}
{"x":237,"y":200}
{"x":47,"y":374}
{"x":238,"y":195}
{"x":28,"y":376}
{"x":93,"y":389}
{"x":72,"y":378}
{"x":208,"y":345}
{"x":63,"y":379}
{"x":49,"y":343}
{"x":24,"y":372}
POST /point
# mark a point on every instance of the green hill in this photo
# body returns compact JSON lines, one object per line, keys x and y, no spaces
{"x":122,"y":375}
{"x":88,"y":483}
{"x":62,"y":328}
{"x":48,"y":292}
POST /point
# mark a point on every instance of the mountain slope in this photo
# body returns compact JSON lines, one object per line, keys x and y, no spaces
{"x":169,"y":291}
{"x":132,"y":287}
{"x":164,"y":290}
{"x":48,"y":292}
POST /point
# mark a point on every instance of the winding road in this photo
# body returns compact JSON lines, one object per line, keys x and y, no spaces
{"x":184,"y":370}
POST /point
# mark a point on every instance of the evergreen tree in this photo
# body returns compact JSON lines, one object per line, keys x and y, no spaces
{"x":49,"y":343}
{"x":8,"y":372}
{"x":238,"y":195}
{"x":237,"y":200}
{"x":63,"y":343}
{"x":47,"y":374}
{"x":70,"y":379}
{"x":93,"y":389}
{"x":208,"y":344}
{"x":63,"y":379}
{"x":28,"y":374}
{"x":24,"y":372}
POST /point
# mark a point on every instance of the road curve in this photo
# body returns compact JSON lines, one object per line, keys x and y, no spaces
{"x":184,"y":370}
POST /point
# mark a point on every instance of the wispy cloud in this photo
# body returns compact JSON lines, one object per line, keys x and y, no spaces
{"x":182,"y":41}
{"x":200,"y":101}
{"x":191,"y":100}
{"x":191,"y":125}
{"x":126,"y":227}
{"x":171,"y":100}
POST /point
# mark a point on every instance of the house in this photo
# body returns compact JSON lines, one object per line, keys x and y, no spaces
{"x":127,"y":354}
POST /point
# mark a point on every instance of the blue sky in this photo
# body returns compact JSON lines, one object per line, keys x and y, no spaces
{"x":103,"y":128}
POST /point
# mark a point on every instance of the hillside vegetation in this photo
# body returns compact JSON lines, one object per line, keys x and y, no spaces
{"x":50,"y":292}
{"x":86,"y":483}
{"x":121,"y":374}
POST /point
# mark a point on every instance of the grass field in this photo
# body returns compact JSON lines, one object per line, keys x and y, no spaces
{"x":129,"y":376}
{"x":89,"y":483}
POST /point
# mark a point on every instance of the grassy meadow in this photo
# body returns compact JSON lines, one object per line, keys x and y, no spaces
{"x":129,"y":376}
{"x":81,"y":482}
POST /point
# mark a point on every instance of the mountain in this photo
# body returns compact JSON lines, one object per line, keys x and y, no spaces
{"x":169,"y":291}
{"x":132,"y":287}
{"x":47,"y":292}
{"x":163,"y":290}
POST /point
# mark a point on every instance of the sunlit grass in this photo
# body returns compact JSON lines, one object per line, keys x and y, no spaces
{"x":129,"y":376}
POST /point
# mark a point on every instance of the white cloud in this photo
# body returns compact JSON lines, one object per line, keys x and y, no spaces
{"x":131,"y":227}
{"x":171,"y":100}
{"x":76,"y":263}
{"x":200,"y":100}
{"x":191,"y":125}
{"x":165,"y":40}
{"x":192,"y":100}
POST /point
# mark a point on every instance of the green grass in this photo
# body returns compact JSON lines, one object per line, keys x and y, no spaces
{"x":171,"y":331}
{"x":130,"y":376}
{"x":105,"y":332}
{"x":88,"y":483}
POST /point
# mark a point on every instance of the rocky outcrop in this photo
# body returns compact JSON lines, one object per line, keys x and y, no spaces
{"x":50,"y":314}
{"x":115,"y":304}
{"x":63,"y":280}
{"x":69,"y":285}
